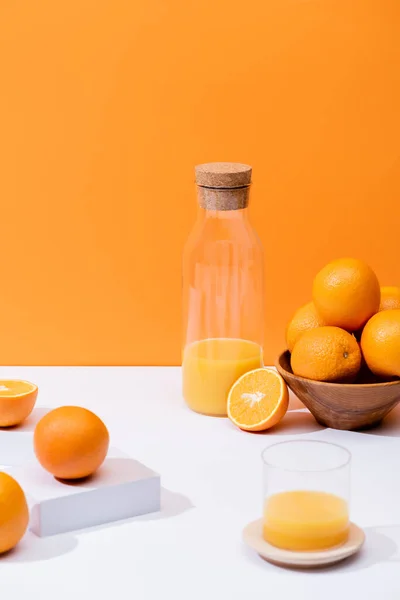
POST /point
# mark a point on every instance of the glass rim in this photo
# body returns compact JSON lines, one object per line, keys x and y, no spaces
{"x":342,"y":464}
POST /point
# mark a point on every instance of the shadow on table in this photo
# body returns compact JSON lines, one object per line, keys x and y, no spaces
{"x":172,"y":505}
{"x":390,"y":427}
{"x":30,"y":423}
{"x":380,"y":546}
{"x":16,"y":447}
{"x":296,"y":422}
{"x":36,"y":549}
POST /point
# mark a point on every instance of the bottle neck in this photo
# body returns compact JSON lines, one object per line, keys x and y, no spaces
{"x":240,"y":214}
{"x":223,"y":200}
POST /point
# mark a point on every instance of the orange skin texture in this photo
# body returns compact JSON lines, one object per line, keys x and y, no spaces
{"x":14,"y":512}
{"x":390,"y":298}
{"x":327,"y":354}
{"x":380,"y":343}
{"x":14,"y":411}
{"x":71,"y":442}
{"x":346,"y":293}
{"x":306,"y":317}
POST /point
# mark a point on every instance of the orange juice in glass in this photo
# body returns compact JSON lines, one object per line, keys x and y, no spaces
{"x":306,"y":495}
{"x":223,"y":289}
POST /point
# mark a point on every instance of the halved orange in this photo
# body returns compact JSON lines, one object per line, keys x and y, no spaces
{"x":17,"y":399}
{"x":258,"y":400}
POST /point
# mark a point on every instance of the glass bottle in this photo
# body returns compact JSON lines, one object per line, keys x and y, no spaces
{"x":223,"y":290}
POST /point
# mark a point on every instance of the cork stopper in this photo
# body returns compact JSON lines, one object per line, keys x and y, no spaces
{"x":223,"y":175}
{"x":223,"y":186}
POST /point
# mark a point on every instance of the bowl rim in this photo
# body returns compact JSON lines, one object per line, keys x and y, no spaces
{"x":278,"y":366}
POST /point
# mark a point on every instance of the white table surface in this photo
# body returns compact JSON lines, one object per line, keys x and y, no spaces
{"x":211,"y":478}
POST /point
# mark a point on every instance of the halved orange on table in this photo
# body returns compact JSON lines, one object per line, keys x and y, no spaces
{"x":17,"y":399}
{"x":258,"y":400}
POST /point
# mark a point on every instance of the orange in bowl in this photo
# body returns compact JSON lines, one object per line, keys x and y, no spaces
{"x":71,"y":442}
{"x":258,"y":400}
{"x":390,"y":297}
{"x":346,"y":293}
{"x":327,"y":354}
{"x":14,"y":514}
{"x":380,"y":343}
{"x":17,"y":399}
{"x":305,"y":318}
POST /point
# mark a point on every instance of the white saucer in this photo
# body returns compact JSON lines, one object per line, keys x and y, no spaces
{"x":253,"y":537}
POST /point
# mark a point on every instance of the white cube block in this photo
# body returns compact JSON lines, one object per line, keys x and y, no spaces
{"x":122,"y":488}
{"x":16,"y":448}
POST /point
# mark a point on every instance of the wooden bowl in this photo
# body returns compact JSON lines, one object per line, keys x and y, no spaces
{"x":342,"y":405}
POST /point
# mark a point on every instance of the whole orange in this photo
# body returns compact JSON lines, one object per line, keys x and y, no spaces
{"x":327,"y":354}
{"x":390,"y":297}
{"x":346,"y":293}
{"x":380,"y":343}
{"x":306,"y":317}
{"x":14,"y":512}
{"x":71,"y":442}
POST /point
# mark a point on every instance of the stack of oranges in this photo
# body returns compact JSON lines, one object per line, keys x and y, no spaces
{"x":70,"y":442}
{"x":351,"y":329}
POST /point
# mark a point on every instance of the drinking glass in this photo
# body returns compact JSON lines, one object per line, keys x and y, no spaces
{"x":306,"y":494}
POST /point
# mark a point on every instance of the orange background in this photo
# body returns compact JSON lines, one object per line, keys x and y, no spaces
{"x":107,"y":105}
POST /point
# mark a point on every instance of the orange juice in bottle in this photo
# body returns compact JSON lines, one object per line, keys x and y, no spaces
{"x":223,"y":289}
